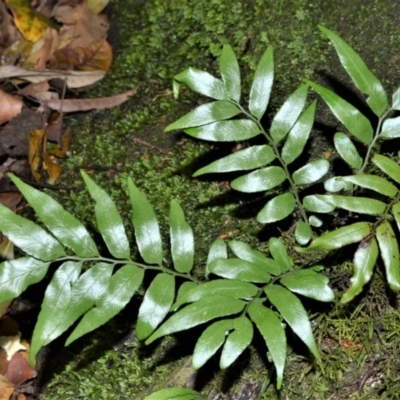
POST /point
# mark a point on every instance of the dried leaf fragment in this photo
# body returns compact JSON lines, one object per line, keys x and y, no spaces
{"x":10,"y":106}
{"x":89,"y":104}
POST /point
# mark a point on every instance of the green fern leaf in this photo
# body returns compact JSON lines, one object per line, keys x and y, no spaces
{"x":237,"y":341}
{"x":63,"y":225}
{"x":226,"y":131}
{"x":17,"y":275}
{"x":229,"y":69}
{"x":250,"y":158}
{"x":155,"y":305}
{"x":205,"y":114}
{"x":262,"y":84}
{"x":147,"y":231}
{"x":203,"y":83}
{"x":182,"y":240}
{"x":293,"y":312}
{"x":122,"y":286}
{"x":259,"y":180}
{"x":363,"y":78}
{"x":347,"y":150}
{"x":277,"y":208}
{"x":204,"y":310}
{"x":235,"y":268}
{"x":389,"y":249}
{"x":364,"y":262}
{"x":210,"y":341}
{"x":288,"y":114}
{"x":273,"y":333}
{"x":109,"y":221}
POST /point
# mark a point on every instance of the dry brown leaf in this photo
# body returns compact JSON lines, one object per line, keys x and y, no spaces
{"x":8,"y":32}
{"x":28,"y":21}
{"x":10,"y":107}
{"x":36,"y":139}
{"x":97,"y":56}
{"x":89,"y":104}
{"x":33,"y":89}
{"x":3,"y":361}
{"x":97,"y":6}
{"x":75,"y":79}
{"x":18,"y":370}
{"x":80,"y":24}
{"x":52,"y":168}
{"x":66,"y":138}
{"x":42,"y":50}
{"x":6,"y":388}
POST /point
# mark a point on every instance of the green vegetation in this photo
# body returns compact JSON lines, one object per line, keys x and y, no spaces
{"x":258,"y":291}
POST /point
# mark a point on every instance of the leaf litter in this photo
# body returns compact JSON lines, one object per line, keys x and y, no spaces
{"x":46,"y":51}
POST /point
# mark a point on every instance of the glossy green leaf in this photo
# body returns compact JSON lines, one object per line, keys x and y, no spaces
{"x":205,"y":114}
{"x":277,"y":208}
{"x":396,"y":99}
{"x":362,"y":205}
{"x":245,"y":252}
{"x":310,"y":284}
{"x":156,"y":304}
{"x":181,"y":297}
{"x":109,"y":221}
{"x":251,"y":158}
{"x":279,"y":253}
{"x":273,"y":333}
{"x":302,"y":233}
{"x":63,"y":225}
{"x":262,"y":84}
{"x":288,"y":114}
{"x":235,"y":268}
{"x":347,"y":150}
{"x":217,"y":250}
{"x":175,"y":394}
{"x":55,"y":306}
{"x":340,"y":237}
{"x":364,"y":262}
{"x":298,"y":135}
{"x":388,"y":166}
{"x":122,"y":286}
{"x":389,"y":249}
{"x":361,"y":75}
{"x":202,"y":82}
{"x":294,"y":314}
{"x":259,"y":180}
{"x":210,"y":341}
{"x":357,"y":123}
{"x":226,"y":131}
{"x":315,"y":204}
{"x":311,"y":172}
{"x":373,"y":182}
{"x":314,"y":221}
{"x":335,"y":184}
{"x":230,"y":72}
{"x":28,"y":236}
{"x":204,"y":310}
{"x":144,"y":221}
{"x":395,"y":211}
{"x":390,"y":128}
{"x":229,"y":288}
{"x":16,"y":275}
{"x":237,"y":341}
{"x":182,"y":240}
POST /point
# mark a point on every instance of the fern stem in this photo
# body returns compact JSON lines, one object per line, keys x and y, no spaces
{"x":280,"y":159}
{"x":159,"y":268}
{"x":376,"y":137}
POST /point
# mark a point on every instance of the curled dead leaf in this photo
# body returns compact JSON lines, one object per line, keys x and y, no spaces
{"x":74,"y":79}
{"x":67,"y":105}
{"x":97,"y":56}
{"x":10,"y":107}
